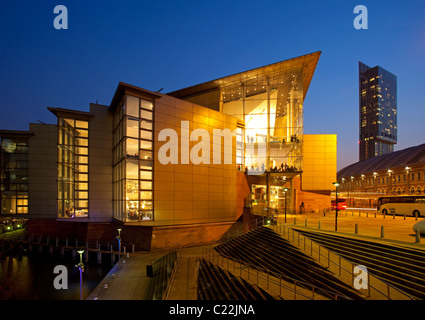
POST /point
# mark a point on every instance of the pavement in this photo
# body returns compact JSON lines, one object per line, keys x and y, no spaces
{"x":397,"y":230}
{"x":128,"y":280}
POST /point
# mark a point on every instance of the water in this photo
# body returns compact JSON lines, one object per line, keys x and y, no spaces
{"x":30,"y":277}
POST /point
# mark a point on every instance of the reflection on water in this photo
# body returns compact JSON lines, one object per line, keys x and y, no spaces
{"x":30,"y":277}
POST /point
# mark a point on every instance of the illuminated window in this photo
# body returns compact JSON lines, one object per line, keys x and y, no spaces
{"x":72,"y":168}
{"x":14,"y":175}
{"x":133,"y":160}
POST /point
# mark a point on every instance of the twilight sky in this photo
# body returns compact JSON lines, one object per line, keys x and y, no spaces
{"x":175,"y":44}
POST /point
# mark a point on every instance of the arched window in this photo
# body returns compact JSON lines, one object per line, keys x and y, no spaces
{"x":412,"y":190}
{"x":419,"y":190}
{"x":398,"y":191}
{"x":393,"y":190}
{"x":379,"y":191}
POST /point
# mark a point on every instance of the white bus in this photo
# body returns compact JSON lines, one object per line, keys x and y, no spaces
{"x":400,"y":205}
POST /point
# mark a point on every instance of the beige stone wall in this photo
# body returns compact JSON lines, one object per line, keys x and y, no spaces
{"x":42,"y":171}
{"x":193,"y":193}
{"x":100,"y":164}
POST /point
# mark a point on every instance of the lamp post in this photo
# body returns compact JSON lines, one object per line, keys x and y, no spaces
{"x":285,"y":190}
{"x":80,"y":266}
{"x":336,"y":184}
{"x":119,"y":246}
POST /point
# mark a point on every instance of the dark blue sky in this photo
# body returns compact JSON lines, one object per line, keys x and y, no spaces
{"x":175,"y":44}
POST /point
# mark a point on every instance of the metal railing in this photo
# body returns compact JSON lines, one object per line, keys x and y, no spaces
{"x":72,"y":242}
{"x":339,"y":265}
{"x":170,"y":280}
{"x":281,"y":285}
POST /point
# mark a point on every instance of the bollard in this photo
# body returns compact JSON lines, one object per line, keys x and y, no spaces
{"x":367,"y":214}
{"x":319,"y":225}
{"x":132,"y":248}
{"x":382,"y":231}
{"x":393,"y":215}
{"x":418,"y":236}
{"x":404,"y":216}
{"x":375,"y":214}
{"x":99,"y":256}
{"x":124,"y":250}
{"x":305,"y":223}
{"x":356,"y":228}
{"x":295,"y":221}
{"x":416,"y":216}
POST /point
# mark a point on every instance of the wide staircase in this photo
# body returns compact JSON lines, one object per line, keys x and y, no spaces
{"x":215,"y":283}
{"x":401,"y":266}
{"x":265,"y":249}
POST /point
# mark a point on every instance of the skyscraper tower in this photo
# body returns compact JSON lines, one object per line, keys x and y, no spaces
{"x":377,"y":111}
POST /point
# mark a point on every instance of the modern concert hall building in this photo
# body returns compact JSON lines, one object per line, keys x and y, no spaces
{"x":180,"y":167}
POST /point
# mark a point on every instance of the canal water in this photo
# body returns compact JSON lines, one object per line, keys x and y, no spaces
{"x":31,"y":277}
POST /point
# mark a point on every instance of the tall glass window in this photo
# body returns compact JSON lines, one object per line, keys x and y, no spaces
{"x":73,"y":168}
{"x":133,"y":159}
{"x":14,"y":175}
{"x":272,"y":110}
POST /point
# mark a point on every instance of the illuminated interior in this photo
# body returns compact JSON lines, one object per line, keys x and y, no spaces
{"x":73,"y":168}
{"x":271,"y":109}
{"x":133,"y":159}
{"x":14,"y":175}
{"x":278,"y":196}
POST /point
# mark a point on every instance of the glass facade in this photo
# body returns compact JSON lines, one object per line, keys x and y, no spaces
{"x":133,"y":159}
{"x":378,"y":111}
{"x":14,"y":175}
{"x":272,"y":110}
{"x":73,"y":172}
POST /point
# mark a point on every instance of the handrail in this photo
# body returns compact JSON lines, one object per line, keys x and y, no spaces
{"x":207,"y":252}
{"x":170,"y":280}
{"x":72,"y":241}
{"x":339,"y":260}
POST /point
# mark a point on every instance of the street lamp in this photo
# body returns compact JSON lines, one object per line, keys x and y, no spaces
{"x":285,"y":190}
{"x":119,"y":246}
{"x":336,"y":184}
{"x":80,"y":266}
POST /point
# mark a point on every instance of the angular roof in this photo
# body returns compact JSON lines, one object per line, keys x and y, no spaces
{"x":397,"y":159}
{"x":306,"y":62}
